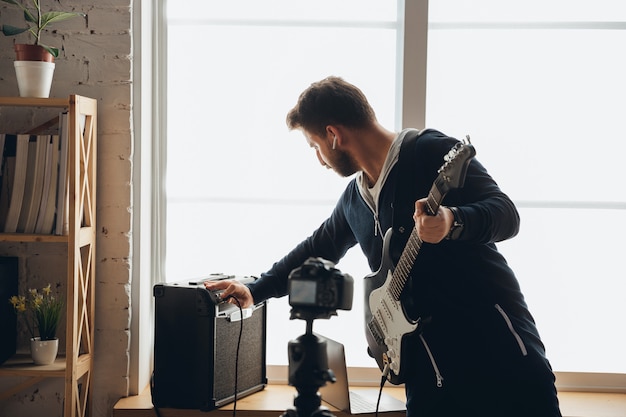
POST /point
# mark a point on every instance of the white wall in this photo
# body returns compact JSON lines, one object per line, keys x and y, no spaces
{"x":96,"y":61}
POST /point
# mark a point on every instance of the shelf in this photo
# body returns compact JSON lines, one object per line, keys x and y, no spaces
{"x":85,"y":235}
{"x":34,"y":102}
{"x":74,"y":369}
{"x":22,"y":365}
{"x":26,"y":238}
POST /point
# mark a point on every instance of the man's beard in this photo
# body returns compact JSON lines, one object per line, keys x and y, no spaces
{"x":343,"y":164}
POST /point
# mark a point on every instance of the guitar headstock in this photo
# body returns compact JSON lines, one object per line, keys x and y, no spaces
{"x":452,"y":172}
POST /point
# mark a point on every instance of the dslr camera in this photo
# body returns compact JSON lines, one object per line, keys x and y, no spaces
{"x":317,"y":289}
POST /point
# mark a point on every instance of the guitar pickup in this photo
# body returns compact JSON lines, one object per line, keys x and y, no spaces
{"x":375,"y":330}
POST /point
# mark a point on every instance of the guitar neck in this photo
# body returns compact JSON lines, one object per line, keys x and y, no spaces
{"x":435,"y":197}
{"x":413,"y":246}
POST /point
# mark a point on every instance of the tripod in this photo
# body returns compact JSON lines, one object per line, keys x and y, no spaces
{"x":308,"y":370}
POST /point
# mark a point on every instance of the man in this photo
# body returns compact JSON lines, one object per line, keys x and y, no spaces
{"x":478,"y":352}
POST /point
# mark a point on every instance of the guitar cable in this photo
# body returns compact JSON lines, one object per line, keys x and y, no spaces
{"x":383,"y":378}
{"x":237,"y":353}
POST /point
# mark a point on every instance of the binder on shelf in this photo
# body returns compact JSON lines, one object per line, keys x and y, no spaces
{"x":62,"y":217}
{"x":2,"y":138}
{"x":47,"y":208}
{"x":16,"y":156}
{"x":34,"y":180}
{"x":5,"y":177}
{"x":33,"y":186}
{"x":63,"y":178}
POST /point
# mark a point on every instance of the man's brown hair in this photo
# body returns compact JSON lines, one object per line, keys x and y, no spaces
{"x":331,"y":101}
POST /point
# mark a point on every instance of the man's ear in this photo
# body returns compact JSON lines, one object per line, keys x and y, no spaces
{"x":332,"y":132}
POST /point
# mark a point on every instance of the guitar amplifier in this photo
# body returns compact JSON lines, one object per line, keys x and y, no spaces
{"x":196,"y":347}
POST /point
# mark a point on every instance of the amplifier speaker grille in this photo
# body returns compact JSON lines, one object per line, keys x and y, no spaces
{"x":250,"y":356}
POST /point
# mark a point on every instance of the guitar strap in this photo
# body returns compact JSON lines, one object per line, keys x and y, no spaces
{"x":404,"y":158}
{"x":404,"y":196}
{"x":404,"y":206}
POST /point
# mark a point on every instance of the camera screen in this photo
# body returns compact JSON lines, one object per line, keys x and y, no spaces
{"x":302,"y":292}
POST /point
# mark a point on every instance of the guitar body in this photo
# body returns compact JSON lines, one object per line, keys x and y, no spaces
{"x":386,"y":320}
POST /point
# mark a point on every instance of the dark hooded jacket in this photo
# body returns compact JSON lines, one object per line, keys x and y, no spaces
{"x":475,"y":318}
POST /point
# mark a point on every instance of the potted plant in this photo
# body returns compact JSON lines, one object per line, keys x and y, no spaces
{"x":35,"y":61}
{"x":42,"y":311}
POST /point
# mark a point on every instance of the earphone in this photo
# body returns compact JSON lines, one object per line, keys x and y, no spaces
{"x":334,"y":142}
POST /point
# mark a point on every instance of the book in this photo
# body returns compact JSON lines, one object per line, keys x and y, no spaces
{"x":7,"y":161}
{"x":47,"y":208}
{"x":2,"y":138}
{"x":43,"y":201}
{"x":37,"y":148}
{"x":16,"y":155}
{"x":62,"y":217}
{"x":63,"y":177}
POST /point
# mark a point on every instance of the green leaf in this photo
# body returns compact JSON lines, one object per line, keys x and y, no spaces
{"x":9,"y":30}
{"x":28,"y":16}
{"x":51,"y":17}
{"x":52,"y":50}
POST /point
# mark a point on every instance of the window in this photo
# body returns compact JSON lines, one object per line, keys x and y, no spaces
{"x":539,"y":87}
{"x":241,"y":189}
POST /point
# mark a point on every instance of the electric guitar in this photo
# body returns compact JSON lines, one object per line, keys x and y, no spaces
{"x":386,"y":320}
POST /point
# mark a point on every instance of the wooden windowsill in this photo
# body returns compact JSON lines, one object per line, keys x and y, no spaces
{"x":271,"y":401}
{"x":276,"y":398}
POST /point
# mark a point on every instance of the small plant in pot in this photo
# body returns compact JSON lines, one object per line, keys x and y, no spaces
{"x":36,"y":57}
{"x":42,"y":312}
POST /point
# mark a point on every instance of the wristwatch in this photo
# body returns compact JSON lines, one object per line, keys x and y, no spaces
{"x":457,"y":226}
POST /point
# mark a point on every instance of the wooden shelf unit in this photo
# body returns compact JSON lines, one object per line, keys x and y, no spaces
{"x":77,"y":365}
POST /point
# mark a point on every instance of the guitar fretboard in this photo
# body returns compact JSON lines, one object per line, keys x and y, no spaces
{"x":413,"y":246}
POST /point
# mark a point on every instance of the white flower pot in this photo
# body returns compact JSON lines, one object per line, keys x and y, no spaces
{"x":34,"y":78}
{"x":43,"y":352}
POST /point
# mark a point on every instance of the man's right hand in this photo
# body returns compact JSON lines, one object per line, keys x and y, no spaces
{"x":234,"y":289}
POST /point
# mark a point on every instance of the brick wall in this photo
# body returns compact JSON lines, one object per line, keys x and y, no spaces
{"x":95,"y":61}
